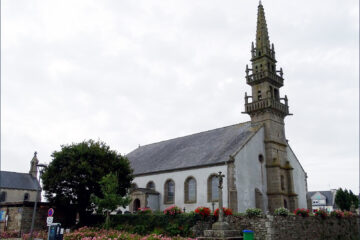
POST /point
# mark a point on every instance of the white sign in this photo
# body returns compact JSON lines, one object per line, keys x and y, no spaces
{"x":49,"y":220}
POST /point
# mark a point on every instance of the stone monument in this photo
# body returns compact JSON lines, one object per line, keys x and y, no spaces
{"x":221,"y":229}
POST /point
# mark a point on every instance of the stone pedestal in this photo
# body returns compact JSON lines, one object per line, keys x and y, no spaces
{"x":221,"y":234}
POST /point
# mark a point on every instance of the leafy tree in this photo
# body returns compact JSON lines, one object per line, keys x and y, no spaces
{"x":111,"y":200}
{"x":75,"y":173}
{"x":344,"y":199}
{"x":354,"y":199}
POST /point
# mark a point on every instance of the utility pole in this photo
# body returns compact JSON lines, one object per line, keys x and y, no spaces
{"x":38,"y":192}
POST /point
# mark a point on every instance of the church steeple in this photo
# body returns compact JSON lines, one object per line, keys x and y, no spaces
{"x":266,"y":106}
{"x":262,"y":35}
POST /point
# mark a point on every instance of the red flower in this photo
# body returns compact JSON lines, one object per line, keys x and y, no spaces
{"x":203,"y":211}
{"x":227,"y":211}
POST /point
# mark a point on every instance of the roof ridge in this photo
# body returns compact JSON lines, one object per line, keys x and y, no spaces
{"x":15,"y":172}
{"x":242,"y":123}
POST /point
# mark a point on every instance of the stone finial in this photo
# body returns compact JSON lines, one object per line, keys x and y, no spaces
{"x":33,"y":165}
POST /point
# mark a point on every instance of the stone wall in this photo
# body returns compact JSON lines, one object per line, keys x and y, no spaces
{"x":20,"y":217}
{"x":293,"y":227}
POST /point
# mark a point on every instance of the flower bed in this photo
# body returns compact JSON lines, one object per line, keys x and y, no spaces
{"x":87,"y":233}
{"x":203,"y":211}
{"x":172,"y":210}
{"x":302,"y":212}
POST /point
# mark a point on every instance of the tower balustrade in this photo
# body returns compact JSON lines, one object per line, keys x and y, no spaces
{"x":256,"y":78}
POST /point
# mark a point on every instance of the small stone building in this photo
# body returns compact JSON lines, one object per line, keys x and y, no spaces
{"x":261,"y":169}
{"x":144,"y":197}
{"x":19,"y":187}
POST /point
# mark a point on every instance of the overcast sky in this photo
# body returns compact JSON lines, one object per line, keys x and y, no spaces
{"x":139,"y":71}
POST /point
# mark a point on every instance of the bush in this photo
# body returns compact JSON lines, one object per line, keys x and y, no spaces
{"x":156,"y":223}
{"x":302,"y":212}
{"x":321,"y":213}
{"x":172,"y":211}
{"x":144,"y":211}
{"x":101,"y":234}
{"x":348,"y":214}
{"x":337,"y":214}
{"x":203,"y":211}
{"x":227,"y":212}
{"x":281,"y":212}
{"x":9,"y":234}
{"x":253,"y":212}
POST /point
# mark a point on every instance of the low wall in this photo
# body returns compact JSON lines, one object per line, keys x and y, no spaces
{"x":294,"y":227}
{"x":20,"y":217}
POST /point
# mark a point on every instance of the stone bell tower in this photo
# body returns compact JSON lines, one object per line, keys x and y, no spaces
{"x":268,"y":108}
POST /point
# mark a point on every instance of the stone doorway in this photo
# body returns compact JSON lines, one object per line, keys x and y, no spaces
{"x":136,"y":205}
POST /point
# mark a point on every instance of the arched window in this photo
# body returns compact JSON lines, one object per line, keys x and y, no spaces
{"x":26,"y":197}
{"x":190,"y":190}
{"x":213,"y":190}
{"x":2,"y":196}
{"x":150,"y":185}
{"x":169,"y":195}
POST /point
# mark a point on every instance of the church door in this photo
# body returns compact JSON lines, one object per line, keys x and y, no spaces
{"x":136,"y":205}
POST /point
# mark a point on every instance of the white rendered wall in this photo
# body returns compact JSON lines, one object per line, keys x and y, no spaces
{"x":17,"y":195}
{"x":201,"y":175}
{"x":299,"y":178}
{"x":250,"y":173}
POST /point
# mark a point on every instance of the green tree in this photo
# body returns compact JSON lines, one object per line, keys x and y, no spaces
{"x":354,"y":200}
{"x":75,"y":173}
{"x":110,"y":200}
{"x":344,"y":199}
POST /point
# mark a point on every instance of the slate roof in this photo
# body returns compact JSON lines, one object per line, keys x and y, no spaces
{"x":145,"y":190}
{"x":328,"y":194}
{"x":16,"y":180}
{"x":200,"y":149}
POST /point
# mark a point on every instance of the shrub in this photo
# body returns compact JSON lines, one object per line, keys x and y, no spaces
{"x":281,"y":212}
{"x":321,"y":213}
{"x":9,"y":234}
{"x":253,"y":212}
{"x":172,"y":211}
{"x":203,"y":211}
{"x":144,"y":211}
{"x":101,"y":234}
{"x":348,"y":214}
{"x":337,"y":214}
{"x":227,"y":212}
{"x":302,"y":212}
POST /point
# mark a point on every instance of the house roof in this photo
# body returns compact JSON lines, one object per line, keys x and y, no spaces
{"x":16,"y":180}
{"x":200,"y":149}
{"x":328,"y":194}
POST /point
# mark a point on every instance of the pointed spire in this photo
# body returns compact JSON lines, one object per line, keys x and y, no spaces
{"x":262,"y":36}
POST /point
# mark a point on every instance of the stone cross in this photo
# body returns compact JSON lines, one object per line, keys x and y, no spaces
{"x":221,"y":210}
{"x":220,"y":224}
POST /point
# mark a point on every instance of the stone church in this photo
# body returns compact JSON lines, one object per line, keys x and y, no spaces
{"x":261,"y":170}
